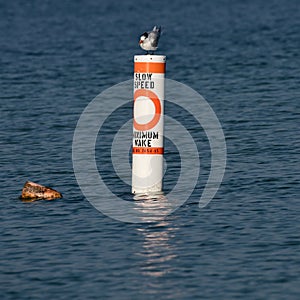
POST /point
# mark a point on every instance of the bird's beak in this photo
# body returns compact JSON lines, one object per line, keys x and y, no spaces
{"x":140,"y":42}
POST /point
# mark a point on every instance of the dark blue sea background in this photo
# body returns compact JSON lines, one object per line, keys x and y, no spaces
{"x":243,"y":58}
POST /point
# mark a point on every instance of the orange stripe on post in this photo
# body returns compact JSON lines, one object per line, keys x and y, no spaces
{"x":149,"y":67}
{"x":147,"y":150}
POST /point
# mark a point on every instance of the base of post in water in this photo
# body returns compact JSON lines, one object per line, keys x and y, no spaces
{"x":149,"y":196}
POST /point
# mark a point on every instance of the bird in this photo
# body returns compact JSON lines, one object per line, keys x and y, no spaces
{"x":149,"y":39}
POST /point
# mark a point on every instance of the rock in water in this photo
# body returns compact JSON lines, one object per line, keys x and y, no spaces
{"x":34,"y":191}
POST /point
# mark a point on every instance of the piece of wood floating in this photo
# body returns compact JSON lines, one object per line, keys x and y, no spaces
{"x":33,"y":191}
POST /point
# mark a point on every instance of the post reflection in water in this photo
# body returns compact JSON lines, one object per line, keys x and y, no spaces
{"x":157,"y":251}
{"x":152,"y":207}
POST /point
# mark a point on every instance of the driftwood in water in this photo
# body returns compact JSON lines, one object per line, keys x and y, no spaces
{"x":33,"y":191}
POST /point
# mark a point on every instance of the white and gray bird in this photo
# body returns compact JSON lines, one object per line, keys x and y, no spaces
{"x":149,"y":40}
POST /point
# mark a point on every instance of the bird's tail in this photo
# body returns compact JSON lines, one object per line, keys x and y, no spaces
{"x":157,"y":29}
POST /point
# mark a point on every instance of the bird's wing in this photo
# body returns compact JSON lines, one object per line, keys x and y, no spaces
{"x":154,"y":36}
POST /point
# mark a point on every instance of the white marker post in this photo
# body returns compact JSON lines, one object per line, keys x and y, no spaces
{"x":148,"y":123}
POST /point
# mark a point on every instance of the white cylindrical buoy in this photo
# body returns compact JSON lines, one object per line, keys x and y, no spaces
{"x":148,"y":123}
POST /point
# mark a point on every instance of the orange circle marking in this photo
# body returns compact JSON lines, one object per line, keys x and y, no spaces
{"x":152,"y":96}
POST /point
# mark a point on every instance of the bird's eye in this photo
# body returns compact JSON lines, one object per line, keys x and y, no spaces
{"x":145,"y":34}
